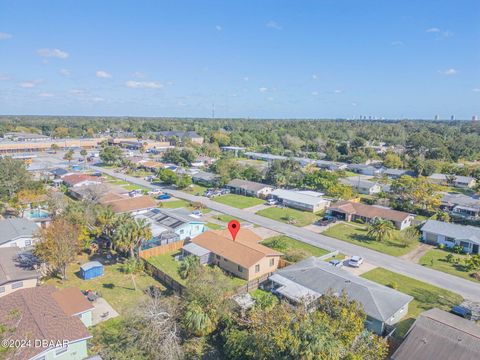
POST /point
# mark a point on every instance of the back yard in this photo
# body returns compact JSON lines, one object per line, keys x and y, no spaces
{"x":357,"y":234}
{"x":115,"y":286}
{"x":238,"y":201}
{"x":425,"y":296}
{"x":290,"y":216}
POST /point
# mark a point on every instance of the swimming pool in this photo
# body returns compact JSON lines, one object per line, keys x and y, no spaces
{"x":37,"y":214}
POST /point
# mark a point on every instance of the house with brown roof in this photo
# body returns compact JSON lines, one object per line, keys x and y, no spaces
{"x":351,"y":211}
{"x":243,"y":257}
{"x":150,"y":165}
{"x":127,"y":204}
{"x":48,"y":320}
{"x":249,"y":188}
{"x":75,"y":180}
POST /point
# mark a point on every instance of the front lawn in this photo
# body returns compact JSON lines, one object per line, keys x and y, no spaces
{"x":425,"y":296}
{"x":214,"y":226}
{"x":226,"y":218}
{"x":435,"y":259}
{"x":168,"y":264}
{"x":290,"y":216}
{"x":287,"y":245}
{"x":115,"y":286}
{"x":356,"y":234}
{"x":195,"y":189}
{"x":238,"y":201}
{"x":174,"y":204}
{"x":130,"y":187}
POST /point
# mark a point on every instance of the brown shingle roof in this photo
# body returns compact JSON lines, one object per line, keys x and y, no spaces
{"x":151,"y":164}
{"x":78,"y":178}
{"x":244,"y":251}
{"x":368,"y":211}
{"x":34,"y":314}
{"x":72,"y":301}
{"x":130,"y":204}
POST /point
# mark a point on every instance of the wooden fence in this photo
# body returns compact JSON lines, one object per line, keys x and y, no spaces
{"x":165,"y":279}
{"x":160,"y":250}
{"x":252,"y":284}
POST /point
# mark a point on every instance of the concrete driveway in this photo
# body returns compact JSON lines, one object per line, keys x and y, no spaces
{"x":466,"y":288}
{"x":365,"y":267}
{"x":102,"y":311}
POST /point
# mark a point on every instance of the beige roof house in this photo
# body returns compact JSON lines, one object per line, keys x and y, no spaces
{"x":121,"y":204}
{"x":244,"y":257}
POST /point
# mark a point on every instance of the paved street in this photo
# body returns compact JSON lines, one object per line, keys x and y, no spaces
{"x":467,"y":289}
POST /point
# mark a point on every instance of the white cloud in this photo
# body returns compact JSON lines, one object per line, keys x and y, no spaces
{"x":273,"y":25}
{"x":65,"y":72}
{"x":30,"y":84}
{"x":449,"y":72}
{"x":315,"y":77}
{"x":337,"y":91}
{"x":5,"y":36}
{"x":138,"y":75}
{"x":4,"y":77}
{"x":263,"y":89}
{"x":433,"y":30}
{"x":246,"y":78}
{"x":103,"y":74}
{"x":270,"y":98}
{"x":143,"y":84}
{"x":52,"y":53}
{"x":354,"y":104}
{"x":315,"y":93}
{"x":98,"y":99}
{"x":476,"y":90}
{"x":45,"y":95}
{"x":440,"y":32}
{"x":218,"y":27}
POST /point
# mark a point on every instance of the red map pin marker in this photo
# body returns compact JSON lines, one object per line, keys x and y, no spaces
{"x":234,"y":227}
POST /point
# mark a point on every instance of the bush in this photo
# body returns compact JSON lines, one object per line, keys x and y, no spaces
{"x":450,"y":258}
{"x":457,"y":249}
{"x":296,"y":255}
{"x":393,"y":285}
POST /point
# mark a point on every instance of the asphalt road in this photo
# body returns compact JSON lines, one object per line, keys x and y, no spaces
{"x":468,"y":289}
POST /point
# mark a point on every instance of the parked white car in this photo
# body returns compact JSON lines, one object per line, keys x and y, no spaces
{"x":355,"y":261}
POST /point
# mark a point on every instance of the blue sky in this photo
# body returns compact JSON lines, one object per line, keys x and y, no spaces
{"x":251,"y":58}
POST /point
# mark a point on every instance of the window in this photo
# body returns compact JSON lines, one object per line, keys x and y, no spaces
{"x":2,"y":289}
{"x":41,"y":358}
{"x":218,"y":257}
{"x":28,"y":242}
{"x":182,"y":231}
{"x":240,"y":269}
{"x":17,"y":285}
{"x":257,"y":268}
{"x":61,"y":351}
{"x":272,"y":262}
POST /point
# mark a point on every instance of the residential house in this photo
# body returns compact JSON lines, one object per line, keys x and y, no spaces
{"x":19,"y":232}
{"x":439,"y":335}
{"x":150,"y":165}
{"x":16,"y":270}
{"x":96,"y":191}
{"x":398,"y":173}
{"x":125,"y":204}
{"x":206,"y":178}
{"x":448,"y":234}
{"x":306,"y":281}
{"x":170,"y":226}
{"x":76,"y":180}
{"x":26,"y":137}
{"x":271,"y":157}
{"x":365,"y":169}
{"x":243,"y":257}
{"x":236,"y":150}
{"x":59,"y":173}
{"x":351,"y":211}
{"x":301,"y":200}
{"x":54,"y":321}
{"x":331,"y":165}
{"x":203,"y":161}
{"x":249,"y":188}
{"x":461,"y":205}
{"x":453,"y":180}
{"x":362,"y":186}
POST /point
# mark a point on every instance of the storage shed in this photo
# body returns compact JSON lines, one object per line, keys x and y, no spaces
{"x":91,"y":270}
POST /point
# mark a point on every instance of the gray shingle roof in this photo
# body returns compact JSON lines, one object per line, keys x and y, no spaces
{"x":455,"y":231}
{"x":298,"y":197}
{"x":355,"y":182}
{"x":461,"y":199}
{"x":379,"y":302}
{"x":247,"y":185}
{"x":11,"y":269}
{"x":11,"y":229}
{"x":441,"y":336}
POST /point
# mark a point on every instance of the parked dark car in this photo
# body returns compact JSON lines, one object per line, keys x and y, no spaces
{"x":462,"y":312}
{"x":327,"y":220}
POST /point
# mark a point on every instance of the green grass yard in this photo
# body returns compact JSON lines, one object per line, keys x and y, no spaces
{"x":425,"y":296}
{"x":115,"y":286}
{"x":174,"y":204}
{"x":238,"y":201}
{"x":226,"y":218}
{"x":195,"y":189}
{"x":357,"y":234}
{"x":435,"y":259}
{"x":166,"y":263}
{"x":300,"y":218}
{"x":292,"y":244}
{"x":214,"y":226}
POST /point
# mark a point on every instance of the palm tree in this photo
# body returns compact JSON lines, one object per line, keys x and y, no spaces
{"x":130,"y":234}
{"x":188,"y":266}
{"x":84,"y":154}
{"x":68,"y":156}
{"x":106,"y":221}
{"x":380,"y":229}
{"x":132,"y":266}
{"x":197,"y":321}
